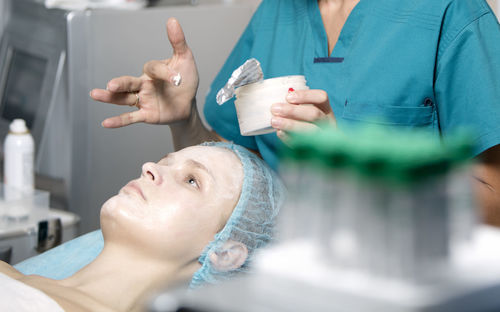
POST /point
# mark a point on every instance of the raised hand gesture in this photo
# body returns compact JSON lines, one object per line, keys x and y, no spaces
{"x":164,"y":94}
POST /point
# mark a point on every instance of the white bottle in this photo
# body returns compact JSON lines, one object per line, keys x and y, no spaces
{"x":19,"y":149}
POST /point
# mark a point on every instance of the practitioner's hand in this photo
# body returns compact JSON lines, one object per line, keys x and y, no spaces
{"x":158,"y":99}
{"x":296,"y":115}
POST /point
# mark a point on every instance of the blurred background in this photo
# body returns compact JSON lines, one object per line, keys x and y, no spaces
{"x":73,"y":51}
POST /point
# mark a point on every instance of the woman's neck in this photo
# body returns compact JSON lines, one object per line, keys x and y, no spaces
{"x":334,"y":14}
{"x":121,"y":278}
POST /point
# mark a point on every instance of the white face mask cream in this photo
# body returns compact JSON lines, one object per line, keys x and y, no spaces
{"x":253,"y":102}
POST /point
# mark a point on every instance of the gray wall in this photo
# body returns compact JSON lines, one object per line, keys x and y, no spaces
{"x":2,"y":17}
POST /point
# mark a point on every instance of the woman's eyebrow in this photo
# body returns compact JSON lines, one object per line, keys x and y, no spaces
{"x":199,"y":165}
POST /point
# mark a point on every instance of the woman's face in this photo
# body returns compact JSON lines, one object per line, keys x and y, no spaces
{"x":174,"y":209}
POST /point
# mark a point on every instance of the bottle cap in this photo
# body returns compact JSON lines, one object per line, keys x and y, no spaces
{"x":18,"y":126}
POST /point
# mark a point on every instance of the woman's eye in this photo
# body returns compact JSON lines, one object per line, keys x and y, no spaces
{"x":192,"y":181}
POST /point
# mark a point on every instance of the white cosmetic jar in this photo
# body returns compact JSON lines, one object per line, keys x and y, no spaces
{"x":253,"y":102}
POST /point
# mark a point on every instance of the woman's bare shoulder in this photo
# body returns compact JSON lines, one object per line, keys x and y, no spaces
{"x":69,"y":298}
{"x":10,"y":271}
{"x":71,"y":301}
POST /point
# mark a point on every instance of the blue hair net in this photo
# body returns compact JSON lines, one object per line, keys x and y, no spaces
{"x":253,"y":219}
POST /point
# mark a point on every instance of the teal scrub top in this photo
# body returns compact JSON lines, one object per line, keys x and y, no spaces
{"x":432,"y":64}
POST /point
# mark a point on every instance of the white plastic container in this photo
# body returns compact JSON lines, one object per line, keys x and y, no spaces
{"x":19,"y":149}
{"x":253,"y":102}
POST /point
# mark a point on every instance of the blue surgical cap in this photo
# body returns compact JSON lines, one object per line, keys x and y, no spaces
{"x":253,"y":219}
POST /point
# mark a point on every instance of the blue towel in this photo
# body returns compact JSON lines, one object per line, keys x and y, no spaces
{"x":64,"y":260}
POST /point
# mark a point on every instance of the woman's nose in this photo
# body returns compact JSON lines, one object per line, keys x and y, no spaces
{"x":151,"y":172}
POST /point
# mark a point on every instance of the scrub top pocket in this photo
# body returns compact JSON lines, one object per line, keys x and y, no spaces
{"x":416,"y":116}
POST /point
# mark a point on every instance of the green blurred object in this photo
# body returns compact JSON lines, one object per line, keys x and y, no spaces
{"x":401,"y":157}
{"x":386,"y":202}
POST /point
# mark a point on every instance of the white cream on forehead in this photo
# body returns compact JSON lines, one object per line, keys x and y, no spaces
{"x":237,"y":176}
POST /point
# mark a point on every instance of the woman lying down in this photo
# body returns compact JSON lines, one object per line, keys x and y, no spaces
{"x":198,"y":216}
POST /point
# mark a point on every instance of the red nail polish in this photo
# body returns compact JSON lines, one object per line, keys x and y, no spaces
{"x":291,"y":90}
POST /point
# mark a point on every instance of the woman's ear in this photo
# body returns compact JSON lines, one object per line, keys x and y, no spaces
{"x":232,"y":256}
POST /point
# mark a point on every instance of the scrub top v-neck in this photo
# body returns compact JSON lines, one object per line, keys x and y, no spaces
{"x":328,"y":72}
{"x":347,"y":33}
{"x":415,"y":64}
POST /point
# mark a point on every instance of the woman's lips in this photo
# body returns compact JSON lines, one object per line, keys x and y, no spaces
{"x":134,"y":187}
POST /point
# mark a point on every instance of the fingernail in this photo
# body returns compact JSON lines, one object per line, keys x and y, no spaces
{"x":112,"y":86}
{"x":276,"y":122}
{"x":291,"y":96}
{"x":106,"y":123}
{"x":276,"y":109}
{"x":281,"y":134}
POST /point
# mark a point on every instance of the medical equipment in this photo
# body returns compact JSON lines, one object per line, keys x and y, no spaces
{"x":51,"y":71}
{"x":24,"y":240}
{"x":39,"y":229}
{"x":18,"y":206}
{"x":375,"y":221}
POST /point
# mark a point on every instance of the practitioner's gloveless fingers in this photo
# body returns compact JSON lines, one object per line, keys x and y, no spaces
{"x":164,"y":94}
{"x":318,"y":98}
{"x":282,"y":135}
{"x":124,"y":119}
{"x":125,"y":98}
{"x":286,"y":124}
{"x":124,"y":84}
{"x":176,"y":37}
{"x":304,"y":112}
{"x":304,"y":108}
{"x":172,"y":69}
{"x":118,"y":91}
